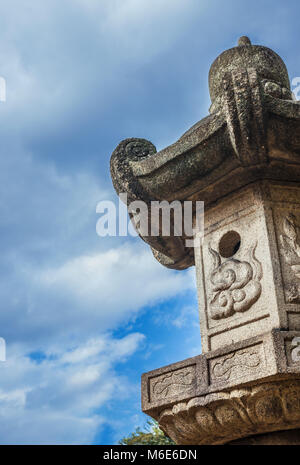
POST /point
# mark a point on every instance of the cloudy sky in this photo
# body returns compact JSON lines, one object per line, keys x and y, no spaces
{"x":84,"y":316}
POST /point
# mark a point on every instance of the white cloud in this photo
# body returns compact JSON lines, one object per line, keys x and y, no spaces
{"x":58,"y":56}
{"x":65,"y":65}
{"x":56,"y":397}
{"x":127,"y":276}
{"x":78,"y":73}
{"x":87,"y":294}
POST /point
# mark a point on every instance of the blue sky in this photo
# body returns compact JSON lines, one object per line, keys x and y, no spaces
{"x":84,"y":316}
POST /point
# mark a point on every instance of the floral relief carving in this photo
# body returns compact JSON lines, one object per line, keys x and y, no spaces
{"x":290,"y":242}
{"x":235,"y":284}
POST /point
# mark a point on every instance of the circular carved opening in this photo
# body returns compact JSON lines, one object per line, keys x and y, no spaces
{"x":229,"y":244}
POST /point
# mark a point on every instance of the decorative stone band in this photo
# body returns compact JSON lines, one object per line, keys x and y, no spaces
{"x":197,"y":399}
{"x":221,"y":417}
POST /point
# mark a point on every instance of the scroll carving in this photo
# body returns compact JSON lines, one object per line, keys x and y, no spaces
{"x":177,"y":382}
{"x":235,"y":284}
{"x":290,"y":242}
{"x":244,"y":362}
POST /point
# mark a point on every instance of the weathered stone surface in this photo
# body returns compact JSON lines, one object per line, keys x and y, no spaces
{"x":243,"y":161}
{"x":252,"y":133}
{"x":252,"y":387}
{"x":248,"y":267}
{"x":255,"y":360}
{"x":221,"y":417}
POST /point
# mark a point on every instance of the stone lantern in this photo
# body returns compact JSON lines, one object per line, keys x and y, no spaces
{"x":243,"y":162}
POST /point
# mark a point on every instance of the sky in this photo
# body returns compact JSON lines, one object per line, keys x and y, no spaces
{"x":84,"y":316}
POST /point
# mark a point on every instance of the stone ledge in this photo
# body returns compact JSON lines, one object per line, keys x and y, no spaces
{"x":255,"y":360}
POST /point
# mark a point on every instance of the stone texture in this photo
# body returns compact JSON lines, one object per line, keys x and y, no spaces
{"x":224,"y":416}
{"x":256,"y":288}
{"x":246,"y":389}
{"x":255,"y":360}
{"x":243,"y":161}
{"x":252,"y":133}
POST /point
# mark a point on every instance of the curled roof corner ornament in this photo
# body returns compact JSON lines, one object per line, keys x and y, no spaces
{"x":252,"y":132}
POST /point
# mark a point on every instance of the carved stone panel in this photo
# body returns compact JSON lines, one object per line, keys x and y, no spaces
{"x":239,"y":364}
{"x":285,"y":200}
{"x":235,"y":273}
{"x":172,"y":384}
{"x":274,"y":355}
{"x":290,"y":250}
{"x":235,"y":284}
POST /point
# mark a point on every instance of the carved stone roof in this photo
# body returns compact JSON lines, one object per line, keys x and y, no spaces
{"x":252,"y":133}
